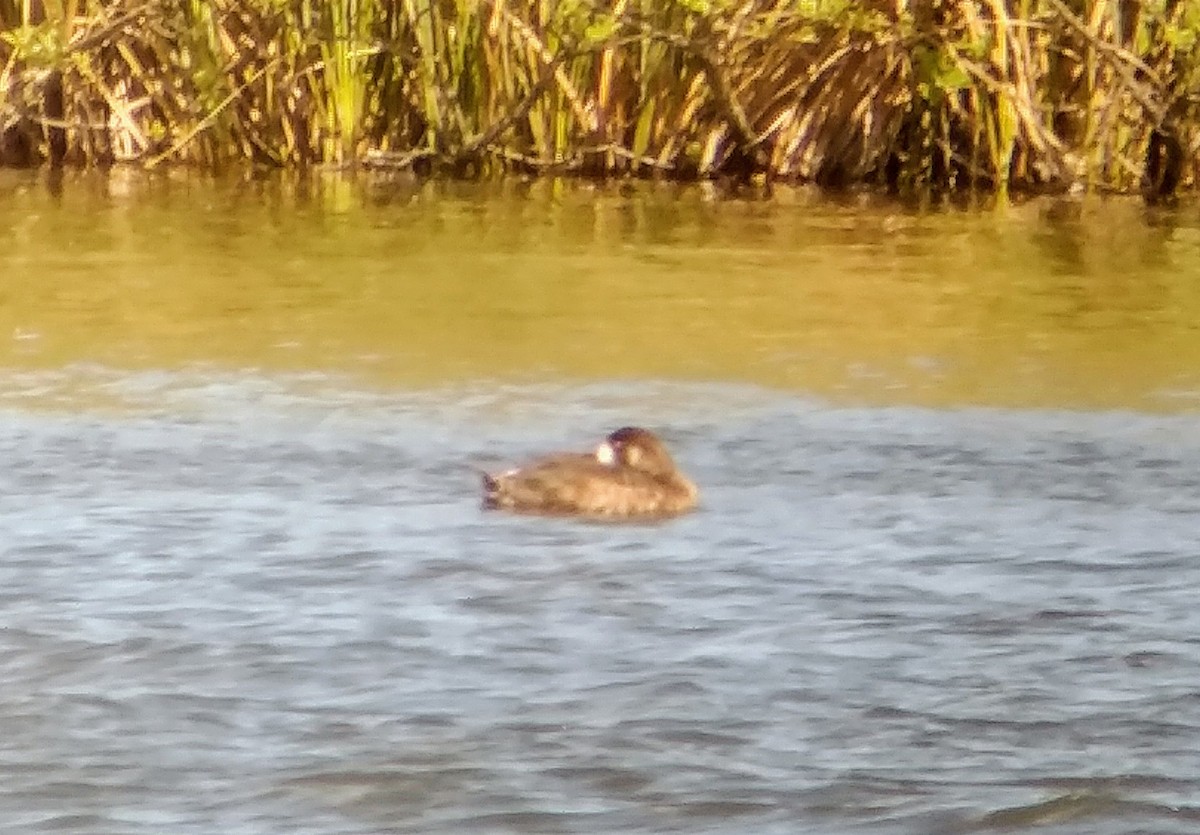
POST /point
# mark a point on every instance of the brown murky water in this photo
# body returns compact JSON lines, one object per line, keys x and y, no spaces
{"x":942,"y":579}
{"x":1076,"y":305}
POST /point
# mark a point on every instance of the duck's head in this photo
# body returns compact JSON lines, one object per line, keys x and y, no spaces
{"x":636,"y":448}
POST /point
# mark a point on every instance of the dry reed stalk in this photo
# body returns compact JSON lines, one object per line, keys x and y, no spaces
{"x":916,"y":96}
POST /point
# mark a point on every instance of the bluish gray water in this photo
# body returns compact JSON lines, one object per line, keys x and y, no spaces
{"x":267,"y":605}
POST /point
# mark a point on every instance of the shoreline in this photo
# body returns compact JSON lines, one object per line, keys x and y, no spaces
{"x":965,"y":98}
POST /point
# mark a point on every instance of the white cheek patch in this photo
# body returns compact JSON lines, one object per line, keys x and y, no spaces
{"x":606,"y":455}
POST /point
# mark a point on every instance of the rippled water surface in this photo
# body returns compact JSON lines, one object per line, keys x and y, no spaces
{"x":942,"y":580}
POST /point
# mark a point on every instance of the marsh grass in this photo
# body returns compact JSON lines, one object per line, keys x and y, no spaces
{"x":919,"y":97}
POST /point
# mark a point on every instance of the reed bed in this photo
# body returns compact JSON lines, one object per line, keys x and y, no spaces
{"x":918,"y":96}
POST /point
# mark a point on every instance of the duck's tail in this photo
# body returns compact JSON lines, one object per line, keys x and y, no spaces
{"x":491,"y":488}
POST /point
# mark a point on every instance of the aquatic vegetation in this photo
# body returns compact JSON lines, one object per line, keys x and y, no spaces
{"x":919,"y":97}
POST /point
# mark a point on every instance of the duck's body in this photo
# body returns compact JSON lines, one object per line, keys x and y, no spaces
{"x":629,"y":476}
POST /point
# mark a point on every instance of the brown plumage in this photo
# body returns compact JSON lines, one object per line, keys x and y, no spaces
{"x":629,"y":476}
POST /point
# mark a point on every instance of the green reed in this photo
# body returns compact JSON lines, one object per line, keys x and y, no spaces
{"x":998,"y":94}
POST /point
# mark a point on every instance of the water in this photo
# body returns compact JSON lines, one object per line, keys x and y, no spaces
{"x":248,"y":588}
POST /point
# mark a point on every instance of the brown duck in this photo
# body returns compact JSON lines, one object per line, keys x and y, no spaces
{"x":629,"y":476}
